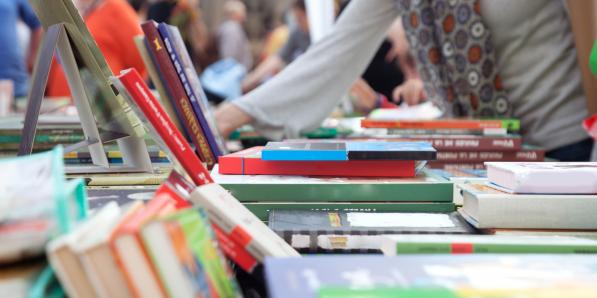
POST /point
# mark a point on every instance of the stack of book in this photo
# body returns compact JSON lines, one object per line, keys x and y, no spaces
{"x":538,"y":199}
{"x":353,"y":176}
{"x":461,"y":143}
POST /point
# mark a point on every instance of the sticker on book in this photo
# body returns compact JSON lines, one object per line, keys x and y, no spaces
{"x":408,"y":220}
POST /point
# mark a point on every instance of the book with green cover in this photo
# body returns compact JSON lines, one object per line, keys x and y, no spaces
{"x":467,"y":244}
{"x":262,"y":209}
{"x":203,"y":245}
{"x":425,"y":187}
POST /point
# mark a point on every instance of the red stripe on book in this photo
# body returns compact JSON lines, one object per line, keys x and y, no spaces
{"x":462,"y":248}
{"x":234,"y":251}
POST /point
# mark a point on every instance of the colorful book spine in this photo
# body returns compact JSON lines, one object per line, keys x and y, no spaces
{"x":159,"y":119}
{"x":433,"y":124}
{"x":167,"y":37}
{"x":499,"y":248}
{"x":248,"y":162}
{"x":482,"y":156}
{"x":234,"y":251}
{"x":176,"y":90}
{"x":463,"y":143}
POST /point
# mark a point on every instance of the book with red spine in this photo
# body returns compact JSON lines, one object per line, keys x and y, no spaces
{"x":459,"y":142}
{"x":159,"y":120}
{"x":473,"y":124}
{"x":249,"y":162}
{"x":234,"y":251}
{"x":181,"y":101}
{"x":129,"y":250}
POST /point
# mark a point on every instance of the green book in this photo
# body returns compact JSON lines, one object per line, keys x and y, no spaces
{"x":474,"y":244}
{"x":203,"y":269}
{"x":386,"y":292}
{"x":426,"y":187}
{"x":262,"y":209}
{"x":593,"y":59}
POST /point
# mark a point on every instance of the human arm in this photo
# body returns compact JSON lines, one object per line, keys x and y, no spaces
{"x":270,"y":66}
{"x":28,"y":16}
{"x":304,"y":93}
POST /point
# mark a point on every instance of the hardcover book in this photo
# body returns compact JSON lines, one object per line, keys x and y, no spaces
{"x":466,"y":276}
{"x":312,"y":151}
{"x":393,"y":245}
{"x":236,"y":221}
{"x":349,"y":230}
{"x":476,"y":124}
{"x":544,"y":178}
{"x":484,"y":207}
{"x":425,"y":187}
{"x":390,"y":151}
{"x":249,"y":162}
{"x":157,"y":120}
{"x":176,"y":90}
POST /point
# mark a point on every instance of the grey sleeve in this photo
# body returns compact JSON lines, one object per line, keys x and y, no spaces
{"x":230,"y":42}
{"x":304,"y":93}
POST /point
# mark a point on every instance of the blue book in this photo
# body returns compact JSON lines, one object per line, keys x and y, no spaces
{"x":305,"y":151}
{"x":171,"y":38}
{"x":482,"y":275}
{"x":390,"y":151}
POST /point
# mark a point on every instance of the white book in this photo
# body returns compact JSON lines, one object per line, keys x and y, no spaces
{"x":232,"y":217}
{"x":62,"y":253}
{"x":544,"y":177}
{"x":98,"y":260}
{"x":488,"y":208}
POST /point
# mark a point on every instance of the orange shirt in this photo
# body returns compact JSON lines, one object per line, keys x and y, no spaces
{"x":113,"y":24}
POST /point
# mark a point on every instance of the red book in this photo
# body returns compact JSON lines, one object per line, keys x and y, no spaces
{"x":249,"y":162}
{"x":161,"y":122}
{"x":129,"y":250}
{"x":433,"y":124}
{"x":234,"y":251}
{"x":167,"y":191}
{"x":177,"y":92}
{"x":590,"y":125}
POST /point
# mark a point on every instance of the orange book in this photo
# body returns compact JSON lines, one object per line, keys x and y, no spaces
{"x":473,"y":124}
{"x":129,"y":251}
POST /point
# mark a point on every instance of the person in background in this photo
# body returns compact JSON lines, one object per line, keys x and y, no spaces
{"x":232,"y":39}
{"x":297,"y":43}
{"x":186,"y":15}
{"x":114,"y":39}
{"x":478,"y":58}
{"x":13,"y":64}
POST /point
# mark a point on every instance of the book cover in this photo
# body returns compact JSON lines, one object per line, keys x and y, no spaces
{"x":239,"y":223}
{"x":305,"y":151}
{"x":168,"y":33}
{"x":131,"y":256}
{"x":473,"y":244}
{"x":390,"y":151}
{"x":484,"y":207}
{"x":234,"y":251}
{"x":158,"y":119}
{"x":477,"y":275}
{"x":199,"y":239}
{"x":149,"y":60}
{"x":176,"y":90}
{"x":425,"y":187}
{"x":197,"y":89}
{"x":525,"y":154}
{"x":249,"y":162}
{"x":311,"y":230}
{"x":545,"y":178}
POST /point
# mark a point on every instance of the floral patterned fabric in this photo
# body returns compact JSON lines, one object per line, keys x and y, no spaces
{"x":455,"y":57}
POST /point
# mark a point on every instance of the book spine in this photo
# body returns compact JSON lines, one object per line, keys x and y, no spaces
{"x":300,"y":155}
{"x":176,"y":90}
{"x":234,"y":251}
{"x":433,"y":124}
{"x":188,"y":76}
{"x":474,"y":248}
{"x":466,"y":143}
{"x":141,"y":94}
{"x":456,"y":165}
{"x":207,"y":141}
{"x":482,"y":156}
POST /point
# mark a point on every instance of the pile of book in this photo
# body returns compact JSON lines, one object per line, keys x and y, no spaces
{"x":539,"y":199}
{"x":461,"y":143}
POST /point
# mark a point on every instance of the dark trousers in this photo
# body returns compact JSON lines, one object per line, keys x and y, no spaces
{"x":580,"y":151}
